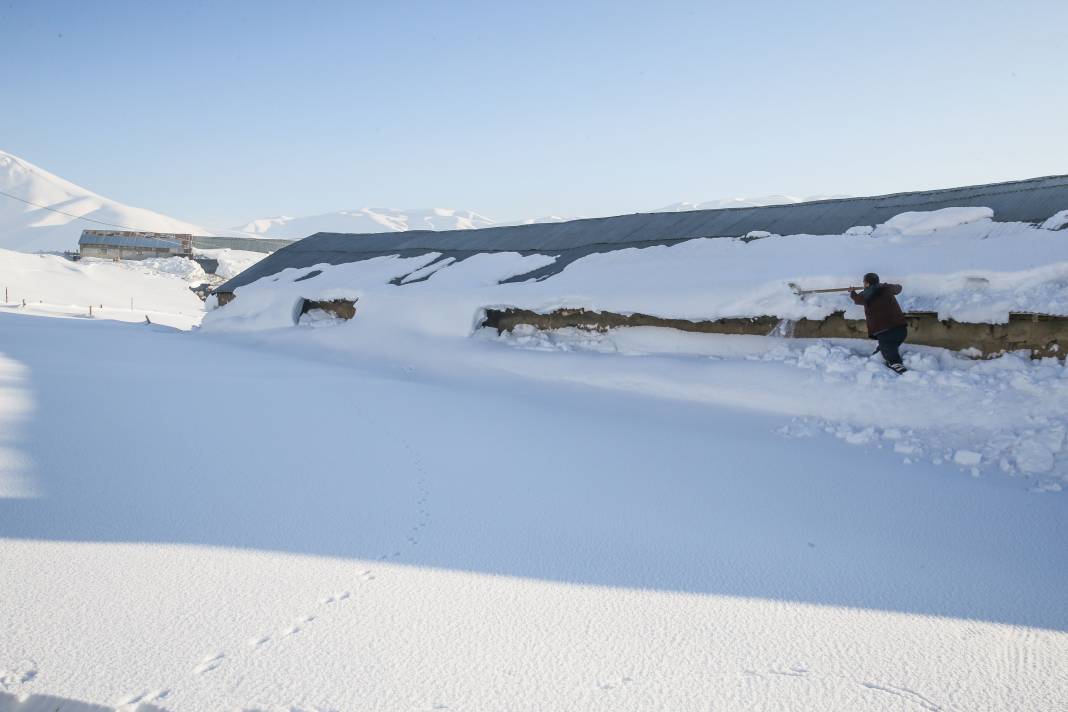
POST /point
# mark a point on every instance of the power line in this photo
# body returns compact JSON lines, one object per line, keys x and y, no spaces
{"x":71,"y":215}
{"x":79,"y":217}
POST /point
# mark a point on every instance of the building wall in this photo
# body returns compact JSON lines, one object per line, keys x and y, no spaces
{"x":124,"y":253}
{"x":1041,"y":334}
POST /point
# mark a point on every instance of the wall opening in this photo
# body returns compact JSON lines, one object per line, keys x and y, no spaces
{"x":339,"y":308}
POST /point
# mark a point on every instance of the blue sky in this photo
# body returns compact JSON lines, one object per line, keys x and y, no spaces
{"x":219,"y":112}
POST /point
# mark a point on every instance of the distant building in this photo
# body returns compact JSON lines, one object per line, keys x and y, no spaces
{"x":129,"y":245}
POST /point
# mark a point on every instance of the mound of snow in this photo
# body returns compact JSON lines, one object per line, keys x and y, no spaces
{"x":232,"y":262}
{"x":27,"y":228}
{"x":1058,"y":221}
{"x":926,"y":221}
{"x":179,"y":267}
{"x":860,"y":230}
{"x":937,"y":412}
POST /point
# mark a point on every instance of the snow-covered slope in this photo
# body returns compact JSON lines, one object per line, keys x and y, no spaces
{"x":366,"y":220}
{"x":27,"y":228}
{"x":49,"y":285}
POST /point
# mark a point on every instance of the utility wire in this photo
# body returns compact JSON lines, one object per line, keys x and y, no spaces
{"x":79,"y":217}
{"x":71,"y":215}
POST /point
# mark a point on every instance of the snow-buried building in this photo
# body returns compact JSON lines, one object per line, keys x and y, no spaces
{"x":1027,"y":201}
{"x":985,"y":268}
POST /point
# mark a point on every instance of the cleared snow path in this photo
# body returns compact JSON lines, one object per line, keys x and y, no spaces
{"x":205,"y":525}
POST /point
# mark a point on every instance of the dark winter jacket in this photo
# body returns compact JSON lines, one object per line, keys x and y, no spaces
{"x":881,"y":309}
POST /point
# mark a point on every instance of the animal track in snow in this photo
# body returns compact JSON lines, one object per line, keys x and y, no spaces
{"x":792,"y":671}
{"x":614,"y":683}
{"x":135,"y":700}
{"x":209,"y":663}
{"x":903,"y":692}
{"x":22,"y":672}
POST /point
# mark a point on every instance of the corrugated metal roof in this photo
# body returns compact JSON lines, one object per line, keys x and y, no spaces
{"x":1031,"y":200}
{"x":249,"y":244}
{"x":157,"y":243}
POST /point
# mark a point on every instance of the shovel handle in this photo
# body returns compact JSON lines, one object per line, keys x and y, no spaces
{"x":822,"y":291}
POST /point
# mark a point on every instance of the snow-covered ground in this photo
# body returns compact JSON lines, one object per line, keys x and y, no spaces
{"x":407,"y":512}
{"x":125,"y":291}
{"x":214,"y":523}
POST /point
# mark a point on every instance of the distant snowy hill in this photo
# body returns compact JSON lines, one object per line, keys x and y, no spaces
{"x":743,"y":203}
{"x":370,"y":220}
{"x":27,"y":228}
{"x":364,"y":220}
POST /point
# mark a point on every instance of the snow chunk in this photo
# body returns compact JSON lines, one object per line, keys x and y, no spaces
{"x":1058,"y":221}
{"x":920,"y":222}
{"x":860,"y":230}
{"x":967,"y":458}
{"x":1032,"y":456}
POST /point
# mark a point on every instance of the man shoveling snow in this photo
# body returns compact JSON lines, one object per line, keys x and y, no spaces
{"x":886,"y":321}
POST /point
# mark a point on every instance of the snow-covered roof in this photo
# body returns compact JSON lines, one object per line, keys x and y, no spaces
{"x":1031,"y":201}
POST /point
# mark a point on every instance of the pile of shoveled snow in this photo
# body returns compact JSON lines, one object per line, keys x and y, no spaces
{"x":51,"y":285}
{"x":27,"y":228}
{"x":922,"y":222}
{"x":1008,"y":414}
{"x":232,"y":262}
{"x":1058,"y":221}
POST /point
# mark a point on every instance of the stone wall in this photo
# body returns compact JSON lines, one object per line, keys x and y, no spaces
{"x":1041,"y":334}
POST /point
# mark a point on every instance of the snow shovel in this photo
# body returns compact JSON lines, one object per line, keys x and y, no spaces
{"x":805,"y":292}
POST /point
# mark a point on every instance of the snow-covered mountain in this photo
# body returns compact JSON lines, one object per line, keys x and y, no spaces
{"x":368,"y":220}
{"x":743,"y":202}
{"x":363,"y":220}
{"x":27,"y":228}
